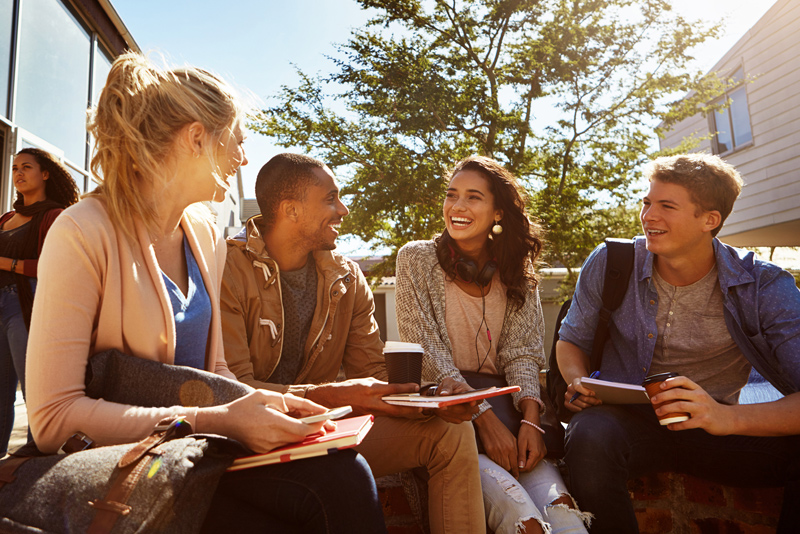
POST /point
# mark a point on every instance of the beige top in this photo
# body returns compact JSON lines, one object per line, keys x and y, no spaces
{"x":694,"y":341}
{"x":464,"y":316}
{"x":99,"y":291}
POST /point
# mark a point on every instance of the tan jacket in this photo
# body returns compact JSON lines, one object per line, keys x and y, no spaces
{"x":343,"y":330}
{"x":99,"y":291}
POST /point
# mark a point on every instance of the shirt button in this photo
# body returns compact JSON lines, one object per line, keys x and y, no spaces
{"x":671,"y":313}
{"x":652,"y":302}
{"x":667,"y":324}
{"x":644,"y":369}
{"x":649,"y":336}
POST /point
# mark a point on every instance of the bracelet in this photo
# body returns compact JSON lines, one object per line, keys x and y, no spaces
{"x":534,"y":425}
{"x":14,"y":265}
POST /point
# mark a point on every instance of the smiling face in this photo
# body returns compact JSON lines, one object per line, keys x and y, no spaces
{"x":320,"y":213}
{"x":28,"y":177}
{"x":469,"y":211}
{"x":673,"y":225}
{"x":230,"y":156}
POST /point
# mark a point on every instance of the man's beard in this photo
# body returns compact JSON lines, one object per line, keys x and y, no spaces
{"x":314,"y":241}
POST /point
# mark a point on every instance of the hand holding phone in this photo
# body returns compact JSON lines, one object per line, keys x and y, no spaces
{"x":333,"y":413}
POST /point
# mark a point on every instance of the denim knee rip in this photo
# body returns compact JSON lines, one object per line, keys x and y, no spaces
{"x":516,"y":492}
{"x":585,"y":517}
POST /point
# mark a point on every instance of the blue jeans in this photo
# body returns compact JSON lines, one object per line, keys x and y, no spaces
{"x":333,"y":494}
{"x":610,"y":444}
{"x":13,"y":343}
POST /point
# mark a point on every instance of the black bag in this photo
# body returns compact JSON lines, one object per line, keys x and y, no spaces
{"x":164,"y":483}
{"x":503,"y":407}
{"x":619,"y":266}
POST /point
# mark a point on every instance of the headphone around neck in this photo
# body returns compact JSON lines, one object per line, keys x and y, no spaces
{"x":467,"y":270}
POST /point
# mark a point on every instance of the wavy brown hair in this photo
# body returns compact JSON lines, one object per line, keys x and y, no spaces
{"x":516,"y":250}
{"x":60,"y":187}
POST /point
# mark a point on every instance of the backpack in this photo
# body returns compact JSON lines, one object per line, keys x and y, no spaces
{"x":619,"y":265}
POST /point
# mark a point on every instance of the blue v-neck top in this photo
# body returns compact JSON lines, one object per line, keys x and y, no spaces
{"x":192,"y":314}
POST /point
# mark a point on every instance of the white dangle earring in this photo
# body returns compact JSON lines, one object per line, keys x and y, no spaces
{"x":497,"y":229}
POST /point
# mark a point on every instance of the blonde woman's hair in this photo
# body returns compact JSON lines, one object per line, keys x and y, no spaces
{"x":135,"y":123}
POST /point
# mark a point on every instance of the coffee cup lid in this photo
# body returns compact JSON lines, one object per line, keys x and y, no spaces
{"x":401,"y":346}
{"x":660,"y":377}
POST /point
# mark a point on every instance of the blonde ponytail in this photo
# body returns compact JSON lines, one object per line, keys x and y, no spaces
{"x":135,"y":123}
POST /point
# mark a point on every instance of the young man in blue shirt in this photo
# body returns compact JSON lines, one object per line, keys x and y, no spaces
{"x":709,"y":312}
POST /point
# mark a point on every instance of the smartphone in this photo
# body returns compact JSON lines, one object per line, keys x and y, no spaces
{"x":333,"y":413}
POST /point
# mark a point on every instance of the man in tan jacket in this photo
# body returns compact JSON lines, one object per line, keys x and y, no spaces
{"x":294,"y":313}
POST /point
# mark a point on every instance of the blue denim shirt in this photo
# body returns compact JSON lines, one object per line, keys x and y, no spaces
{"x":762,"y":312}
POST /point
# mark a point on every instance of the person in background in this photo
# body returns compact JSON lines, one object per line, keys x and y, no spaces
{"x":470,"y":297}
{"x":136,"y":266}
{"x":44,"y":188}
{"x":706,"y":311}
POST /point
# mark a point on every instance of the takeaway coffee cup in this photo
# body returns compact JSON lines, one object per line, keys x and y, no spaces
{"x":652,"y":384}
{"x":403,"y":362}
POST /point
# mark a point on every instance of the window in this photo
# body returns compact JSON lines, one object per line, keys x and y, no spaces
{"x":732,"y":124}
{"x":6,"y":26}
{"x":53,"y":76}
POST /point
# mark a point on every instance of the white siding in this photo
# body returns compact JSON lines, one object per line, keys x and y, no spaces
{"x":770,"y":166}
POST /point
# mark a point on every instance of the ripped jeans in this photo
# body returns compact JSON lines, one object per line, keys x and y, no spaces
{"x":509,"y":502}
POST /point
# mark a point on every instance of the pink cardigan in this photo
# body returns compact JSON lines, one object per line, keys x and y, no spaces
{"x":97,"y":290}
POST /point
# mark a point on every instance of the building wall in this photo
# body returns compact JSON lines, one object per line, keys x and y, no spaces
{"x":55,"y":56}
{"x":768,"y":211}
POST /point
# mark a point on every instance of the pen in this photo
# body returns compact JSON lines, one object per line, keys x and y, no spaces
{"x":596,"y":374}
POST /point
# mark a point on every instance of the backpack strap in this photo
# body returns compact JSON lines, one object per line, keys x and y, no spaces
{"x":130,"y":470}
{"x":619,"y":266}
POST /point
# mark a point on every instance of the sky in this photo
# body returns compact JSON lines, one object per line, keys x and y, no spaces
{"x":256,"y":45}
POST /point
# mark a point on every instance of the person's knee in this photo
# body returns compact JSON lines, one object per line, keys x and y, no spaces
{"x":592,"y":432}
{"x":456,"y":440}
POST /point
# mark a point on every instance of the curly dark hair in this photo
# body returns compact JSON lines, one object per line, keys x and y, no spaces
{"x":517,"y":249}
{"x":59,"y":186}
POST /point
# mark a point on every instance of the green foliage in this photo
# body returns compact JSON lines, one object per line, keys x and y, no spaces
{"x":427,"y":83}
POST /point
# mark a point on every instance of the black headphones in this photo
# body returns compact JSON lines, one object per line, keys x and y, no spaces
{"x":467,"y":270}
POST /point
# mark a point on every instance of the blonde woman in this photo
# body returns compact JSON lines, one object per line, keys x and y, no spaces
{"x":136,"y":266}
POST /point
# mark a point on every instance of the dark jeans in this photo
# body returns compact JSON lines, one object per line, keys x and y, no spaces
{"x":328,"y":494}
{"x":13,"y":342}
{"x":608,"y":445}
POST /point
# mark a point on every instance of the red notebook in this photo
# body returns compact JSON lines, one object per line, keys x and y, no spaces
{"x":439,"y":401}
{"x":349,"y":433}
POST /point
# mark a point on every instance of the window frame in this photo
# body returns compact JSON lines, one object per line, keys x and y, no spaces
{"x":712,"y":116}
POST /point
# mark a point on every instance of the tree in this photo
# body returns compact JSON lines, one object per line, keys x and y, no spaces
{"x":427,"y":83}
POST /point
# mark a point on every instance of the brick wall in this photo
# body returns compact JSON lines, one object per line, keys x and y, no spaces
{"x":665,"y":503}
{"x":671,"y":503}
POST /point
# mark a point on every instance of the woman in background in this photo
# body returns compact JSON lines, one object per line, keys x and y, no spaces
{"x":470,"y":298}
{"x":137,"y":266}
{"x":44,"y":188}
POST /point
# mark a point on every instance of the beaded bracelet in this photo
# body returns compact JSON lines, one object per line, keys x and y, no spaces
{"x":534,"y":425}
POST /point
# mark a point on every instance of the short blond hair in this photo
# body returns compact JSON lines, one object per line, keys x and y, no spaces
{"x":137,"y":118}
{"x":713,"y":184}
